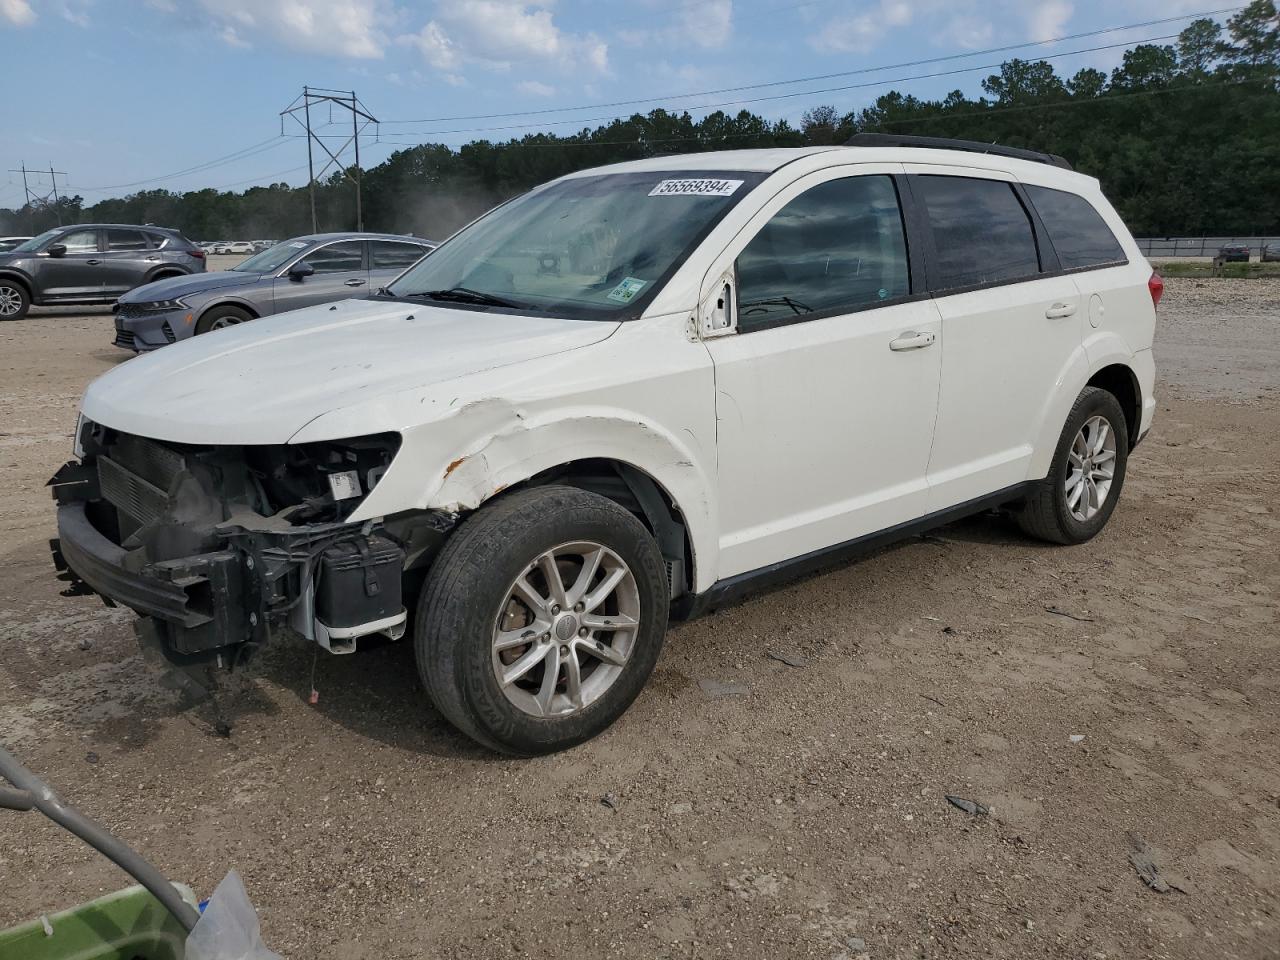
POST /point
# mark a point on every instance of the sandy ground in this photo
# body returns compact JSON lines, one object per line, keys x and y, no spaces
{"x":802,"y":816}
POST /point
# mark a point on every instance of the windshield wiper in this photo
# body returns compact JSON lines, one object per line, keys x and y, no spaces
{"x":467,"y":295}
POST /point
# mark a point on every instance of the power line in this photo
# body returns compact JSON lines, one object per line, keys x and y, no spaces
{"x":825,"y":76}
{"x":784,"y":96}
{"x":245,"y":152}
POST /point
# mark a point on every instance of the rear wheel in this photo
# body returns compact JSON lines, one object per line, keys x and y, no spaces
{"x":1073,"y":503}
{"x":541,"y":620}
{"x":216,"y":318}
{"x":14,"y":300}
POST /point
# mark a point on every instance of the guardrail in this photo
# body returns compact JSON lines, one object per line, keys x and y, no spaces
{"x":1200,"y":246}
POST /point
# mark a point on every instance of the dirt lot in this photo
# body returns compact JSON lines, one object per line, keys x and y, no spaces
{"x":801,"y":816}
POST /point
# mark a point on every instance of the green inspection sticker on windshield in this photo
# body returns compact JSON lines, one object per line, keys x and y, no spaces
{"x":625,"y":291}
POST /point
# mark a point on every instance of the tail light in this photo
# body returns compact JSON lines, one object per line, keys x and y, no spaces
{"x":1156,"y":286}
{"x":196,"y":252}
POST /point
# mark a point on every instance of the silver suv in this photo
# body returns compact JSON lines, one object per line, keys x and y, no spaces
{"x":91,"y":263}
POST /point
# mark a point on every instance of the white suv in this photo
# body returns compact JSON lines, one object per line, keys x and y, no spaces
{"x":634,"y":392}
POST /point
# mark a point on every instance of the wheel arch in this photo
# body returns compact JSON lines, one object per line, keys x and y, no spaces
{"x":15,"y":276}
{"x":486,"y":448}
{"x":254,"y":313}
{"x":1121,"y":382}
{"x":164,"y":272}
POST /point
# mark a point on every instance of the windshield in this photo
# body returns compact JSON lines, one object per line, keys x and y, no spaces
{"x":593,"y":247}
{"x":35,"y":243}
{"x":272,"y":258}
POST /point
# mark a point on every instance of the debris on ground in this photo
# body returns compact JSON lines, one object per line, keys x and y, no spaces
{"x":950,"y":631}
{"x":720,"y":688}
{"x":1070,"y":616}
{"x":1076,"y":737}
{"x":790,"y":659}
{"x":610,"y":800}
{"x":1143,"y":859}
{"x":933,"y":700}
{"x":971,"y":807}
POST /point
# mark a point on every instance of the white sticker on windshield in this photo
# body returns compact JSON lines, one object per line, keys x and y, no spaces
{"x":627,"y":289}
{"x":695,"y":188}
{"x":298,"y":244}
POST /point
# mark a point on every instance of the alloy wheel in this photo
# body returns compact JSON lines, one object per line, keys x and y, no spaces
{"x":1091,"y":466}
{"x":566,"y":629}
{"x":10,"y":301}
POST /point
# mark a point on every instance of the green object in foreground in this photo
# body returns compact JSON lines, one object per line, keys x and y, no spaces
{"x":127,"y":925}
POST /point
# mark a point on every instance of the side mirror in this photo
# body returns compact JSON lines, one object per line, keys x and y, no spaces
{"x":56,"y":250}
{"x":301,"y":270}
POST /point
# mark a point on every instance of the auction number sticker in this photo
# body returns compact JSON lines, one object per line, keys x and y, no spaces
{"x":695,"y":188}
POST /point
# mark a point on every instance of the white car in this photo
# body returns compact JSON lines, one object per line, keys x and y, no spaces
{"x":238,"y":246}
{"x":637,"y":391}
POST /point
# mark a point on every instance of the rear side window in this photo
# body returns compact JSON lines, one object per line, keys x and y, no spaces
{"x":1079,"y":234}
{"x":394,"y":255}
{"x":839,"y":245}
{"x":980,"y":229}
{"x":120,"y":240}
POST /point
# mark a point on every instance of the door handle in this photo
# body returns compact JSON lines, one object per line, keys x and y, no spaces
{"x":1060,"y":310}
{"x":912,"y":341}
{"x":355,"y":283}
{"x":93,"y":262}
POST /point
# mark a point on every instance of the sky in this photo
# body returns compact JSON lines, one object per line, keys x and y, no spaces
{"x":125,"y":95}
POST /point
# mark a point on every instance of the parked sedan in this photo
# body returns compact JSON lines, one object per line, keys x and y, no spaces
{"x":1234,"y":253}
{"x":293,"y":274}
{"x":1270,"y":253}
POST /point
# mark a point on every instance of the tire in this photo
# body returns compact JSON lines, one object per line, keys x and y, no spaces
{"x":1049,"y":512}
{"x":224,"y":315}
{"x":471,"y":591}
{"x":15,"y":301}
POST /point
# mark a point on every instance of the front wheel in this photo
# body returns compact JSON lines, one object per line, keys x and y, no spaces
{"x":1073,"y":503}
{"x":14,"y":301}
{"x":541,"y":620}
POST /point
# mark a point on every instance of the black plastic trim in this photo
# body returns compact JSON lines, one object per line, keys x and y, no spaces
{"x":100,"y":564}
{"x":732,"y":589}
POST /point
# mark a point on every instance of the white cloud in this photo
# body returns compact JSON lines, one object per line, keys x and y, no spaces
{"x":498,"y":34}
{"x":708,"y":25}
{"x":1050,"y":19}
{"x":535,"y":89}
{"x":967,"y":24}
{"x":17,"y":12}
{"x":359,"y":29}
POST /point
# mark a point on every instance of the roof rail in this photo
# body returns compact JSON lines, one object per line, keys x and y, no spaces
{"x":946,"y":143}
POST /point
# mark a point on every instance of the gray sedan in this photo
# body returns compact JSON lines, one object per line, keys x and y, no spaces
{"x":291,"y":275}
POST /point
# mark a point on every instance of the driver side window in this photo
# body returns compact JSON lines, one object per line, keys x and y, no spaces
{"x":347,"y":256}
{"x":839,"y":246}
{"x":79,"y":241}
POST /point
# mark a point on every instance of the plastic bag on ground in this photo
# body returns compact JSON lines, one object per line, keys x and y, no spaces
{"x":228,"y":928}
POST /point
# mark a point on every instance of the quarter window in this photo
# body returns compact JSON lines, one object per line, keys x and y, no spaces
{"x":838,"y":246}
{"x":980,"y":230}
{"x":121,"y":240}
{"x":343,"y":257}
{"x":81,"y":241}
{"x":1079,"y":234}
{"x":393,"y":255}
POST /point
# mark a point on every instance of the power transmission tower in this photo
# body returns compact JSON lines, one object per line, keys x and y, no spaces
{"x":347,"y":100}
{"x":35,"y":198}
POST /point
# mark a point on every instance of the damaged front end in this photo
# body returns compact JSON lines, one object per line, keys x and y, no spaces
{"x":221,"y":545}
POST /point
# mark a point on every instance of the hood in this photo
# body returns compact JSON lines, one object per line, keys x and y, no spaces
{"x":261,"y":382}
{"x":171,"y":288}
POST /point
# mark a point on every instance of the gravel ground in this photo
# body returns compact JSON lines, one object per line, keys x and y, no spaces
{"x":755,"y":809}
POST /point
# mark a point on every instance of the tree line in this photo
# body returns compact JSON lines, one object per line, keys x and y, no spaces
{"x":1184,"y":137}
